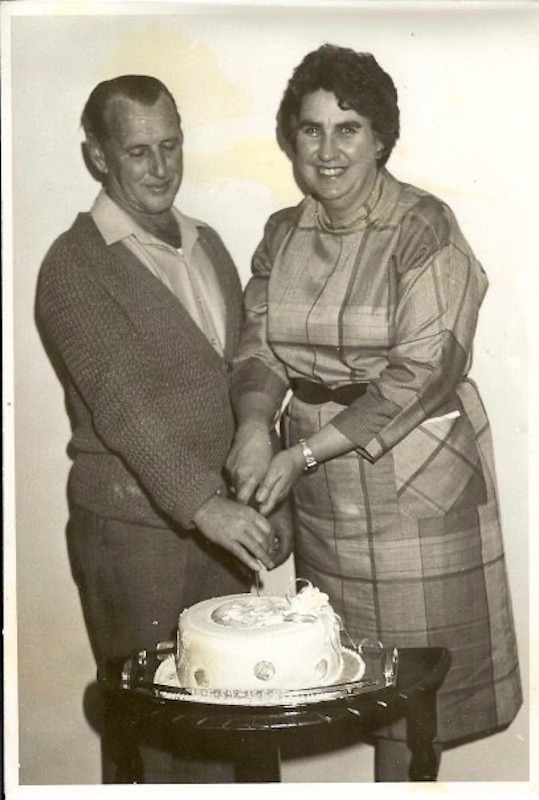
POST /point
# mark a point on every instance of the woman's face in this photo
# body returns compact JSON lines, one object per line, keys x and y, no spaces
{"x":336,"y":154}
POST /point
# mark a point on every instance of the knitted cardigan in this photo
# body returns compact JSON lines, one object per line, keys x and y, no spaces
{"x":147,"y":394}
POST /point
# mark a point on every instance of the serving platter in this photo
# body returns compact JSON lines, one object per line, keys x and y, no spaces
{"x":154,"y":673}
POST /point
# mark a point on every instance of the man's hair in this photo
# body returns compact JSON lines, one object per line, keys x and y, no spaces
{"x":141,"y":88}
{"x":357,"y":81}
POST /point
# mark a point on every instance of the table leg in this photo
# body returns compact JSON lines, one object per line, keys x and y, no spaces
{"x":258,"y":759}
{"x":421,"y":730}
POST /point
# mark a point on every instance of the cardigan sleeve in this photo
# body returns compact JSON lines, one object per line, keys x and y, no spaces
{"x":147,"y":416}
{"x":439,"y":289}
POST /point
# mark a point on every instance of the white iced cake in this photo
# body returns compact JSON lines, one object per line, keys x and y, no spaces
{"x":247,"y":642}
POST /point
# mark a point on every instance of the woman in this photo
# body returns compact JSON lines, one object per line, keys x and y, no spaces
{"x":364,"y":302}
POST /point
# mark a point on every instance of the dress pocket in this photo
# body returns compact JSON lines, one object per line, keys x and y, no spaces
{"x":438,"y":468}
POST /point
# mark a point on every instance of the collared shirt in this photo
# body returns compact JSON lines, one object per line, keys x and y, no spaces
{"x":186,"y":271}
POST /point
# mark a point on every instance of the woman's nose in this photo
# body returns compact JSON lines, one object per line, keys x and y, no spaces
{"x":327,"y":148}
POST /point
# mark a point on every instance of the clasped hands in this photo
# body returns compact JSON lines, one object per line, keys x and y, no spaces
{"x":257,"y":474}
{"x":256,"y":527}
{"x":262,"y":482}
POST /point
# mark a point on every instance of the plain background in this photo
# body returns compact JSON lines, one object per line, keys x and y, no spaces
{"x":469,"y":121}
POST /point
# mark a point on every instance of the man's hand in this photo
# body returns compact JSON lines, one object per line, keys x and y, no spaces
{"x":249,"y":459}
{"x":238,"y":528}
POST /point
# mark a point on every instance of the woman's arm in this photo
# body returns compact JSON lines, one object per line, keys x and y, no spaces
{"x":259,"y":381}
{"x":439,"y":287}
{"x":289,"y":465}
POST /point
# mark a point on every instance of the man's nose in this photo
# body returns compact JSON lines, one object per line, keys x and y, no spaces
{"x":158,"y":164}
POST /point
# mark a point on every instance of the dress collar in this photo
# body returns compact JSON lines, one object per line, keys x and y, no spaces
{"x":382,"y":198}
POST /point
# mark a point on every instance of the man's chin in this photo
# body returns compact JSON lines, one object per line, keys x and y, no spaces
{"x":159,"y":205}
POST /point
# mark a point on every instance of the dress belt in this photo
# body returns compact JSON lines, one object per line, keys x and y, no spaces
{"x":316,"y":393}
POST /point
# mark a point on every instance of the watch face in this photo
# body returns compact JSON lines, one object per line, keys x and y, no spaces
{"x":310,"y":461}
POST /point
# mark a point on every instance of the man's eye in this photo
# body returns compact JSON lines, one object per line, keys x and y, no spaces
{"x":170,"y":145}
{"x":136,"y":153}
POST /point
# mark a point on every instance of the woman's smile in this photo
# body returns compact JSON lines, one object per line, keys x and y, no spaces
{"x":331,"y":172}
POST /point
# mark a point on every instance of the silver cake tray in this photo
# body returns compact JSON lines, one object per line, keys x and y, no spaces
{"x":154,"y":673}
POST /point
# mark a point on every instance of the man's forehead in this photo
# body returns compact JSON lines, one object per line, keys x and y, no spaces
{"x":124,"y":114}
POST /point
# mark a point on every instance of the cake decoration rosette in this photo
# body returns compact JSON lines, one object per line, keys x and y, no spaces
{"x":307,"y":604}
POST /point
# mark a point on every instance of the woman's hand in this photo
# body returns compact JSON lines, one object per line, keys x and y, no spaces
{"x":281,"y":521}
{"x":239,"y":529}
{"x":249,"y":459}
{"x":284,"y":470}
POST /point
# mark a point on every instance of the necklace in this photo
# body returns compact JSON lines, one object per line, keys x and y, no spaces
{"x":347,"y":225}
{"x":344,"y":226}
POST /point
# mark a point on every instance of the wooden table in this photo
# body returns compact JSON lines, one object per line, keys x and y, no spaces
{"x":259,"y":731}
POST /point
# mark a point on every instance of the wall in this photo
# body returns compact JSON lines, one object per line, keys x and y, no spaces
{"x":462,"y":75}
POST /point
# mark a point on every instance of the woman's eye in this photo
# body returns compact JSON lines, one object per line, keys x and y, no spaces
{"x":310,"y":131}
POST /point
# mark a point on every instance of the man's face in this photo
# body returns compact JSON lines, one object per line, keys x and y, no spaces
{"x":142,"y":157}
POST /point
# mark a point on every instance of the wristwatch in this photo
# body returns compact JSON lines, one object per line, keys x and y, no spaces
{"x":311,"y":464}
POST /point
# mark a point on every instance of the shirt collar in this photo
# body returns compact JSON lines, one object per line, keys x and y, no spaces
{"x":115,"y":224}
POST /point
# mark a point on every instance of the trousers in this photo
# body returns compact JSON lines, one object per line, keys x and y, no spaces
{"x":133,"y":581}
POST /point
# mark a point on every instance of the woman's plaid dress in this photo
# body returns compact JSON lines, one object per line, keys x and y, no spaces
{"x":403,"y":532}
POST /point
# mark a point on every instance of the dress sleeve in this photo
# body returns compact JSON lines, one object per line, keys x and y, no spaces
{"x":439,"y":288}
{"x":256,"y":369}
{"x":139,"y":411}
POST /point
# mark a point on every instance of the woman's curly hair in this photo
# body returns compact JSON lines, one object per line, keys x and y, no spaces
{"x":357,"y":81}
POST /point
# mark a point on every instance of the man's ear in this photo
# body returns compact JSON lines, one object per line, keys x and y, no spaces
{"x":94,"y":152}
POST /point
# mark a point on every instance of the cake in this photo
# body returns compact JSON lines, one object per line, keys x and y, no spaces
{"x":249,"y":642}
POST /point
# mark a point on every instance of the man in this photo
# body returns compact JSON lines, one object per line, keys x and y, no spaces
{"x":142,"y":306}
